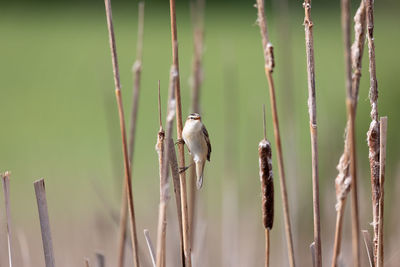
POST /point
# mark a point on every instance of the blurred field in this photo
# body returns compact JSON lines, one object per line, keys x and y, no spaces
{"x":58,"y":121}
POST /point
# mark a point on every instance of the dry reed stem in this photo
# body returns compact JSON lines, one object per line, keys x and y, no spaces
{"x":312,"y":110}
{"x":150,"y":247}
{"x":267,"y":247}
{"x":40,"y":192}
{"x":128,"y":181}
{"x":269,"y":65}
{"x":164,"y":184}
{"x":382,"y":167}
{"x":369,"y":247}
{"x":173,"y":162}
{"x":6,"y":189}
{"x":350,"y":103}
{"x":137,"y":70}
{"x":100,"y":260}
{"x":373,"y":134}
{"x":197,"y":13}
{"x":181,"y":148}
{"x":343,"y":179}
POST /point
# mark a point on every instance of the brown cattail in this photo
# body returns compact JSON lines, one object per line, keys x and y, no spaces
{"x":267,"y":183}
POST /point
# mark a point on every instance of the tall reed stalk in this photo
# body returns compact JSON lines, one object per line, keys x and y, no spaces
{"x":373,"y":134}
{"x":269,"y":67}
{"x":197,"y":12}
{"x":128,"y":181}
{"x":343,"y":181}
{"x":181,"y":148}
{"x":382,"y":165}
{"x":312,"y":110}
{"x":164,"y":153}
{"x":137,"y":70}
{"x":161,"y":233}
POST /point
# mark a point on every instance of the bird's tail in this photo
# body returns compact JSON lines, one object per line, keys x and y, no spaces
{"x":199,"y":172}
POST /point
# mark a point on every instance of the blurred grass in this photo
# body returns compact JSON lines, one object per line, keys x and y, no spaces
{"x":59,"y":120}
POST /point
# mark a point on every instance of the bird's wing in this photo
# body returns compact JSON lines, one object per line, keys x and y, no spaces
{"x":207,"y":141}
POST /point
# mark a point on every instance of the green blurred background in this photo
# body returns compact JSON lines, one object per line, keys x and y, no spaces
{"x":59,"y":121}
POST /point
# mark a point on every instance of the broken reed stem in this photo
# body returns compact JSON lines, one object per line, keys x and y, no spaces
{"x":40,"y":192}
{"x":197,"y":13}
{"x":267,"y":190}
{"x":373,"y":134}
{"x":312,"y":110}
{"x":181,"y":148}
{"x":269,"y":65}
{"x":164,"y":160}
{"x":128,"y":181}
{"x":150,"y":247}
{"x":6,"y":189}
{"x":343,"y":179}
{"x":382,"y":166}
{"x":137,"y":70}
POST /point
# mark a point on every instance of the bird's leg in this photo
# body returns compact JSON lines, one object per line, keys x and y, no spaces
{"x":180,"y":141}
{"x":183,"y":169}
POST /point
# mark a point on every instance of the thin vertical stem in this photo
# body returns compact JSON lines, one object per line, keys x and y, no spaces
{"x":164,"y":184}
{"x":343,"y":180}
{"x":128,"y":181}
{"x":351,"y":106}
{"x":269,"y":65}
{"x":181,"y":148}
{"x":197,"y":13}
{"x":354,"y":192}
{"x":267,"y":247}
{"x":382,"y":165}
{"x":373,"y":134}
{"x":6,"y":188}
{"x":312,"y":110}
{"x":137,"y":70}
{"x":40,"y":192}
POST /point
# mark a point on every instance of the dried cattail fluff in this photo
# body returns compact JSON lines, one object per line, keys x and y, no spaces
{"x":267,"y":183}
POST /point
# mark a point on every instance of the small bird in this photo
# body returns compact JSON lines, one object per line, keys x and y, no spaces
{"x":196,"y":137}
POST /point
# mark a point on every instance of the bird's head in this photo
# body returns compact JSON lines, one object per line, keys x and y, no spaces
{"x":194,"y":117}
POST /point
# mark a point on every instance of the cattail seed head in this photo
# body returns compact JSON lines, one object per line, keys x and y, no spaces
{"x":267,"y":183}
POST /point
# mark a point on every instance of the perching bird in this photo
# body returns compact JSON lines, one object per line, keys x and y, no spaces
{"x":195,"y":136}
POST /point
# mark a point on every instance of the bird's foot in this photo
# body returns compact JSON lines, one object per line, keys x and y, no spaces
{"x":180,"y":142}
{"x":183,"y":169}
